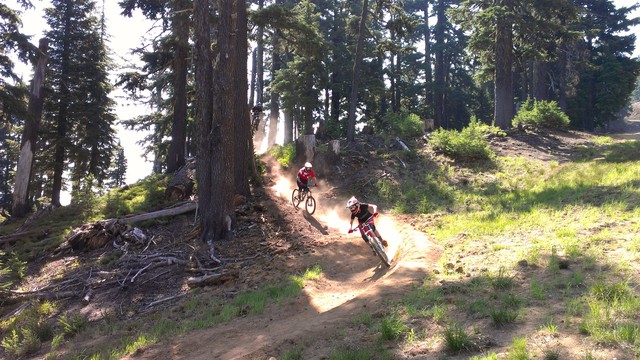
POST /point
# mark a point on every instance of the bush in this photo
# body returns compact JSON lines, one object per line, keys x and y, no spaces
{"x":404,"y":124}
{"x":468,"y":144}
{"x":284,"y":154}
{"x":541,"y":114}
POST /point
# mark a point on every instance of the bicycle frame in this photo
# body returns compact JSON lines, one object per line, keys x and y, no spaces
{"x":374,"y":241}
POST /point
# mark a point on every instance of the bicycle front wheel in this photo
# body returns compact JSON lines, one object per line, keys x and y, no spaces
{"x":377,"y":247}
{"x":295,"y":198}
{"x":310,"y":205}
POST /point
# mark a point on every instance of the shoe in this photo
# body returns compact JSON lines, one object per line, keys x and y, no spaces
{"x":384,"y":243}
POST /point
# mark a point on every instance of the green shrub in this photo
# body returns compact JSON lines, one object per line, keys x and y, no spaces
{"x":285,"y":154}
{"x":468,"y":144}
{"x":144,"y":196}
{"x":541,"y":114}
{"x":404,"y":124}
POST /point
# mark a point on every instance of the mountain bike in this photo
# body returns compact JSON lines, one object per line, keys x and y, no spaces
{"x":305,"y":196}
{"x":374,"y":241}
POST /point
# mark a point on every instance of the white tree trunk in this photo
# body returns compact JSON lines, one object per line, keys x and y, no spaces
{"x":23,"y":174}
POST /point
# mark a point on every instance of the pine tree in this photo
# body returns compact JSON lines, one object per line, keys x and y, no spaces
{"x":78,"y":103}
{"x":118,"y":169}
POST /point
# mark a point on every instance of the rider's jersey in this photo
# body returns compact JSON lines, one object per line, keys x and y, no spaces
{"x":362,"y":214}
{"x":304,"y":176}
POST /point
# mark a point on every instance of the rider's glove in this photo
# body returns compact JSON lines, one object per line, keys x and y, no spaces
{"x":350,"y":231}
{"x":375,"y":214}
{"x":316,"y":184}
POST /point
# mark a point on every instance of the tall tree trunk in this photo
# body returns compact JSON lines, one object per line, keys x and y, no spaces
{"x":440,"y":117}
{"x":288,"y":127}
{"x":393,"y":88}
{"x":176,"y":154}
{"x":215,"y":183}
{"x":59,"y":156}
{"x":428,"y":75}
{"x":21,"y":206}
{"x":355,"y":75}
{"x":540,"y":91}
{"x":243,"y":157}
{"x":260,"y":61}
{"x":503,"y":113}
{"x":252,"y":81}
{"x":308,"y":109}
{"x":274,"y":107}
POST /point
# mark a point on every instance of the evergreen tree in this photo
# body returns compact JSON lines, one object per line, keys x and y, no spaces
{"x":118,"y":169}
{"x":607,"y":76}
{"x":78,"y":106}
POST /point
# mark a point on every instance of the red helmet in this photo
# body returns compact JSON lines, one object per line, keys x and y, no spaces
{"x":353,"y":204}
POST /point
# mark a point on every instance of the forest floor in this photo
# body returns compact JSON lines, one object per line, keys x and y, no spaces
{"x":274,"y":240}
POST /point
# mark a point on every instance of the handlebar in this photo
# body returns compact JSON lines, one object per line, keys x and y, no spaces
{"x":366,"y":222}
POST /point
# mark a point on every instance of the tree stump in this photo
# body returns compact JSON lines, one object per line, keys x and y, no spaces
{"x":180,"y":187}
{"x":335,"y":146}
{"x":306,"y":145}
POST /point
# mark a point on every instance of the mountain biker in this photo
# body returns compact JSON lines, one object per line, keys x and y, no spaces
{"x":302,"y":178}
{"x":363,"y":212}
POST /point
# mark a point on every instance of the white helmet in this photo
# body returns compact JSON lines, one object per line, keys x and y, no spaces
{"x":307,"y":166}
{"x":352,"y":204}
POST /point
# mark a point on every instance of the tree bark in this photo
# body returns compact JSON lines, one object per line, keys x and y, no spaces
{"x":503,"y":111}
{"x":274,"y":113}
{"x":176,"y":154}
{"x":215,"y":159}
{"x":260,"y":61}
{"x":355,"y":76}
{"x":440,"y":115}
{"x":21,"y":206}
{"x":428,"y":75}
{"x":243,"y":154}
{"x":307,"y":146}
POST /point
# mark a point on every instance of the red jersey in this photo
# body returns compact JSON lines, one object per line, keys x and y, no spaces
{"x":304,"y":176}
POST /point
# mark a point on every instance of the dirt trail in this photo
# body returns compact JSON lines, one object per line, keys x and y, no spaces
{"x":353,"y":281}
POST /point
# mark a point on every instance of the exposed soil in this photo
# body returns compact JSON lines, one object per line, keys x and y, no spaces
{"x":273,"y":240}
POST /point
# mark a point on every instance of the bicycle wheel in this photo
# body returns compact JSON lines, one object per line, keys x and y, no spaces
{"x":377,"y":247}
{"x":310,"y":205}
{"x":295,"y":200}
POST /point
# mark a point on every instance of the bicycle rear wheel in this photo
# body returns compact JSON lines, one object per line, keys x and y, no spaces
{"x":295,"y":198}
{"x":377,"y":247}
{"x":310,"y":205}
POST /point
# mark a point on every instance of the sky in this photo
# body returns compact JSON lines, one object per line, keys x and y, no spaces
{"x":126,"y":33}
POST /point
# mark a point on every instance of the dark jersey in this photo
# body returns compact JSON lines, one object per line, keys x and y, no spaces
{"x":362,"y":214}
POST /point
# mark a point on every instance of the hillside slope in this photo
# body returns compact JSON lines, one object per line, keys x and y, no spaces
{"x":340,"y":310}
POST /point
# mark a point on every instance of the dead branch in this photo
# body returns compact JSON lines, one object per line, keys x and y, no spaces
{"x":46,"y":295}
{"x":213,"y":279}
{"x":165,"y":299}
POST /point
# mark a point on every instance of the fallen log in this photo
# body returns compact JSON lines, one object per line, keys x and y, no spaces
{"x":96,"y":235}
{"x":177,"y":210}
{"x":18,"y":236}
